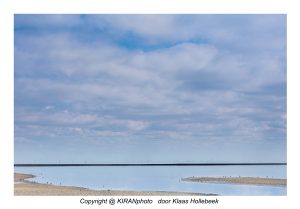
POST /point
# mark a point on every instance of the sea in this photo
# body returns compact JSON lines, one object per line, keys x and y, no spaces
{"x":161,"y":178}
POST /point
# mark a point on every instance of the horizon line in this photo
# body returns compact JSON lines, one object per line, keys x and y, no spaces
{"x":138,"y":164}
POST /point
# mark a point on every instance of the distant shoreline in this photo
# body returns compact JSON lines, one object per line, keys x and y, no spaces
{"x":24,"y":187}
{"x":139,"y":164}
{"x":239,"y":180}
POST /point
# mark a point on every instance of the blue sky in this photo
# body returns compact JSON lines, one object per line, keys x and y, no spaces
{"x":150,"y":88}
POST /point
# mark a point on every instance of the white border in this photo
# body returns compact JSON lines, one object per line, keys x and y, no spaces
{"x":10,"y":7}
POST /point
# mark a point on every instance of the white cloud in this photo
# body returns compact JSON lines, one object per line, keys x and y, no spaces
{"x":46,"y":21}
{"x":58,"y":118}
{"x":49,"y":107}
{"x":136,"y":125}
{"x":150,"y":26}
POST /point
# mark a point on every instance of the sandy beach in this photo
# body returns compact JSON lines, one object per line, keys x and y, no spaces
{"x":239,"y":180}
{"x":23,"y":187}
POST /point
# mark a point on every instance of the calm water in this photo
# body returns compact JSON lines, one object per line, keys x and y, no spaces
{"x":159,"y":178}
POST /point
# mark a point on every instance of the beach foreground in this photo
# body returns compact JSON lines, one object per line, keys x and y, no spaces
{"x":239,"y":180}
{"x":23,"y":187}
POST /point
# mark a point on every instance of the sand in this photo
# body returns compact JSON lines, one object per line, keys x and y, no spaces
{"x":239,"y":180}
{"x":24,"y":187}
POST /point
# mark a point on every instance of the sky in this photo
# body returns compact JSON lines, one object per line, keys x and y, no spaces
{"x":149,"y":88}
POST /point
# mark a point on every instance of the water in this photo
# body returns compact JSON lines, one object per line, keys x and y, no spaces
{"x":159,"y":178}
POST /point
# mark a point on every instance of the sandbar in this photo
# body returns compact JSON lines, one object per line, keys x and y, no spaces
{"x":239,"y":180}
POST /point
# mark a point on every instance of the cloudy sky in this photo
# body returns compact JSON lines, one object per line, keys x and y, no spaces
{"x":150,"y":88}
